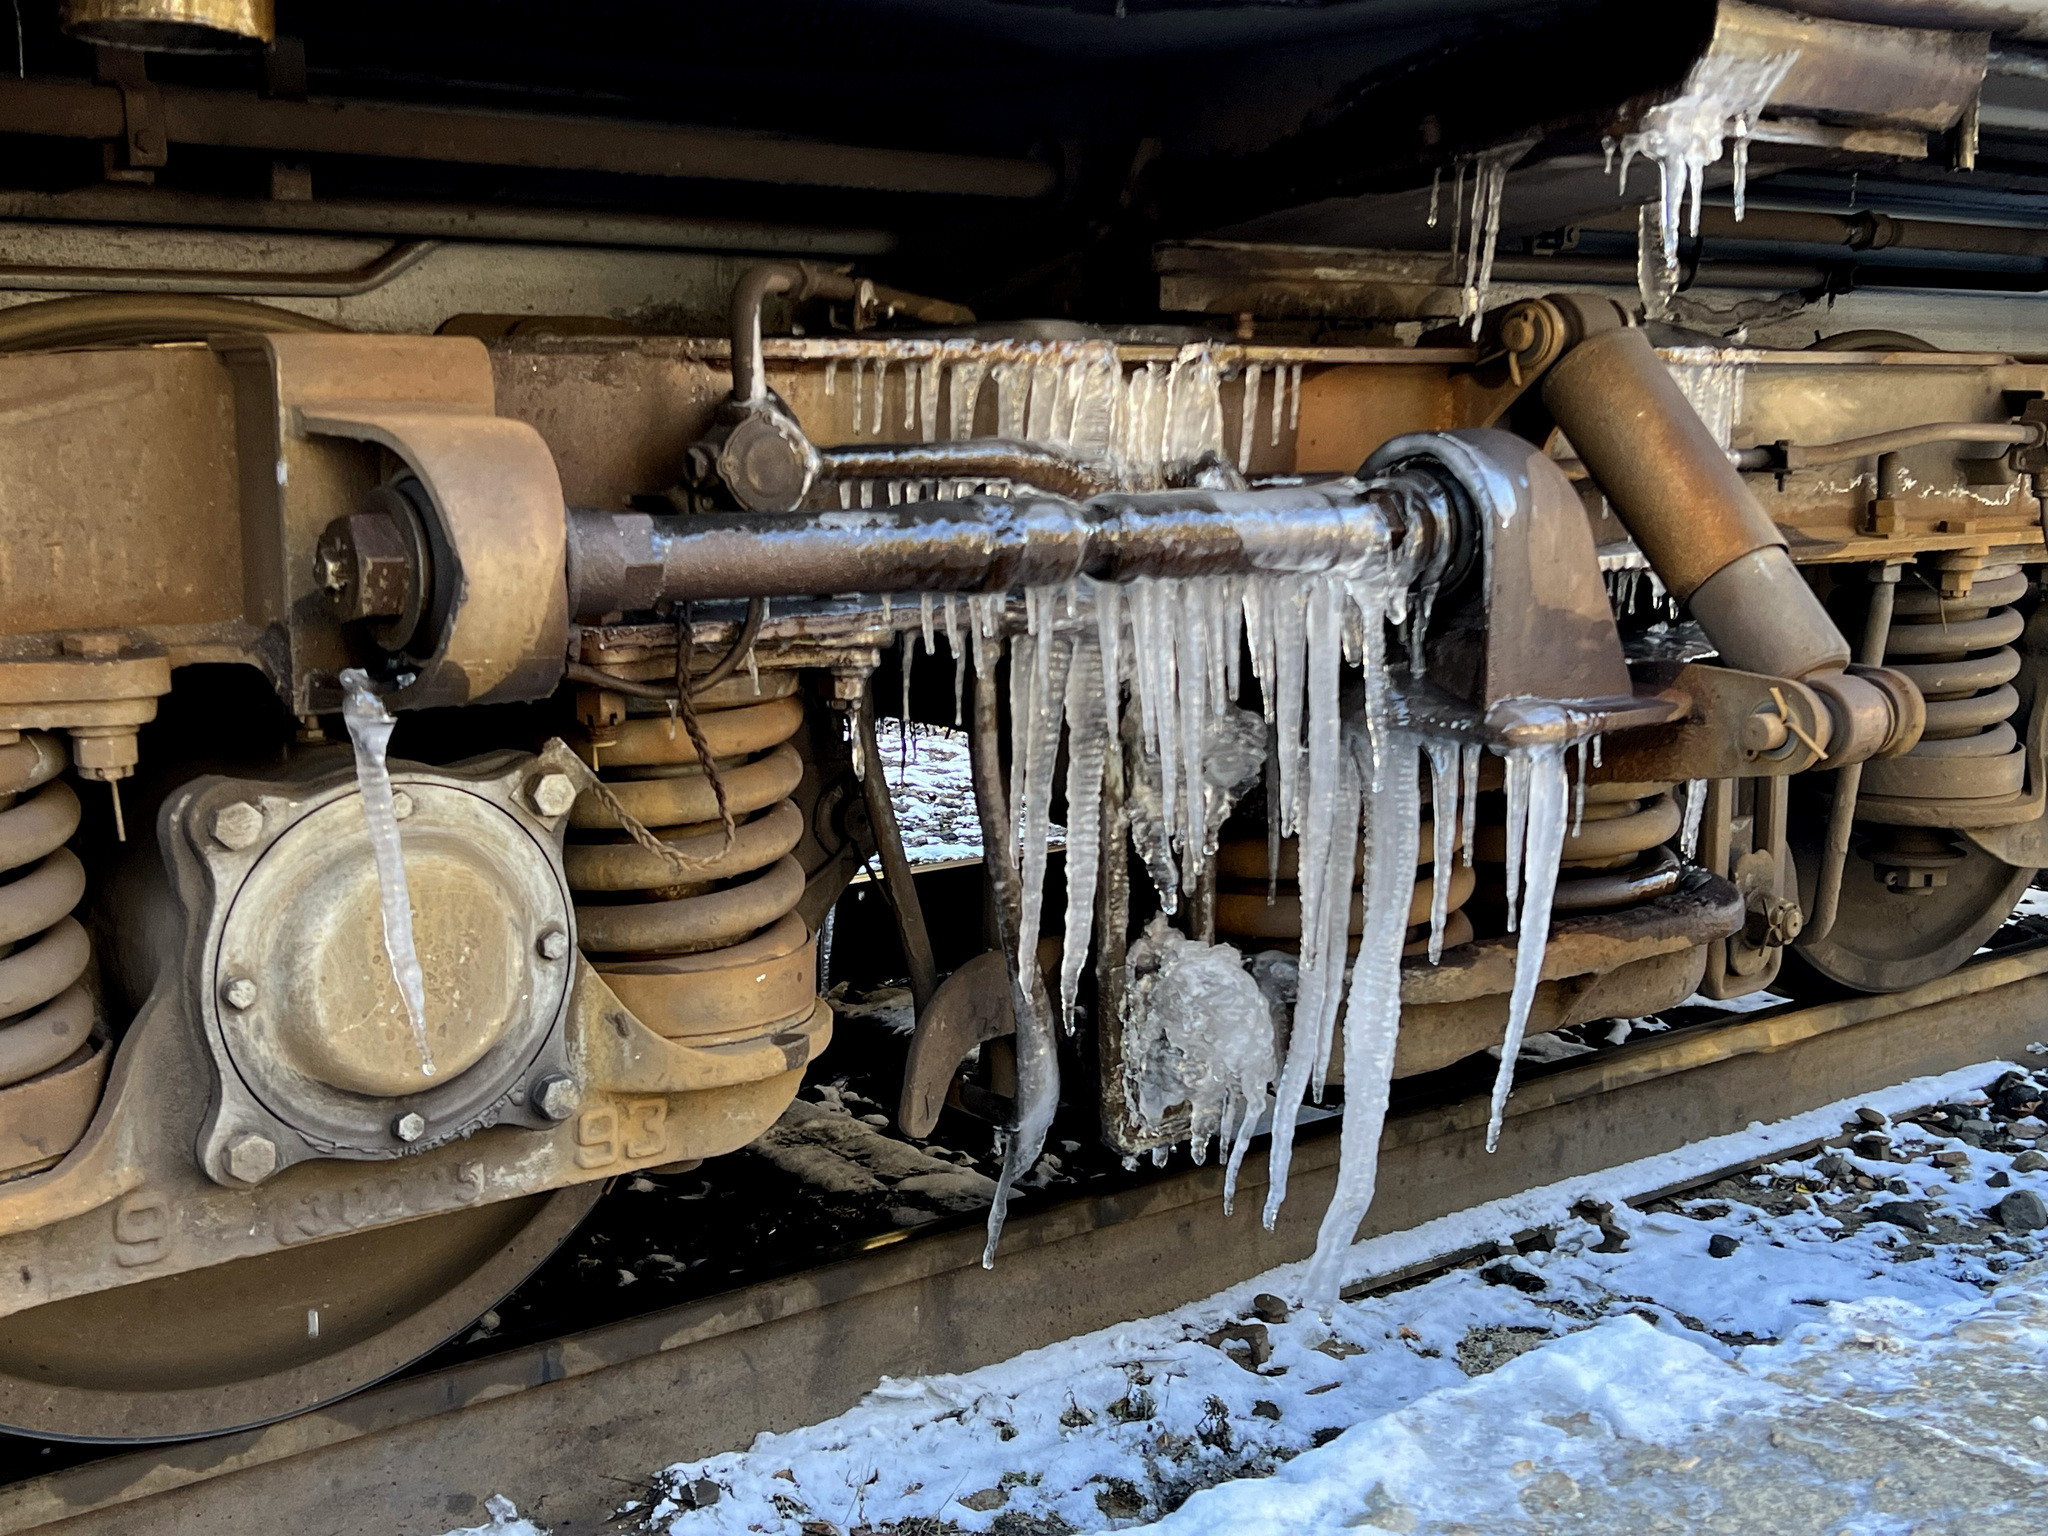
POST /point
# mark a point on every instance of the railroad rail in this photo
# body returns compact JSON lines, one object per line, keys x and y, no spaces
{"x":571,"y":1426}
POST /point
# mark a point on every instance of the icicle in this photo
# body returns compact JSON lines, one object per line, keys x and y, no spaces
{"x":924,"y":622}
{"x":913,"y":389}
{"x":369,"y":731}
{"x":1538,"y":773}
{"x":1443,"y":807}
{"x":1279,"y":400}
{"x":1436,"y":186}
{"x":1294,"y":402}
{"x":1695,"y":812}
{"x":881,"y":392}
{"x":831,"y":374}
{"x":1468,"y":797}
{"x":1090,"y":730}
{"x":1372,"y":1015}
{"x":860,"y":369}
{"x":1722,"y":95}
{"x":1247,"y":416}
{"x":1579,"y":790}
{"x":903,"y":719}
{"x":959,"y":650}
{"x":1517,"y":830}
{"x":845,"y":495}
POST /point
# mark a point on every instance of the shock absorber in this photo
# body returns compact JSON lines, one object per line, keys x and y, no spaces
{"x":714,"y":949}
{"x":46,"y":1007}
{"x":1959,"y":652}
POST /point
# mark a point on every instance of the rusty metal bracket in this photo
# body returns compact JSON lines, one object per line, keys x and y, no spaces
{"x":144,"y":144}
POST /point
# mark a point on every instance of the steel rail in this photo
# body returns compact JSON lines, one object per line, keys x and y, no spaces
{"x":570,"y":1427}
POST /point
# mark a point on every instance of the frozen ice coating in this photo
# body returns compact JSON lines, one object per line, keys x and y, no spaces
{"x":1443,"y":800}
{"x":1197,"y":1032}
{"x":369,"y":730}
{"x":1489,"y":181}
{"x":1372,"y":1013}
{"x":1710,"y":378}
{"x":1721,"y":99}
{"x":1695,"y":811}
{"x":1536,"y":827}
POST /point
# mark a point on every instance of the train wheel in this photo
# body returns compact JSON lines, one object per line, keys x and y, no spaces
{"x":254,"y":1340}
{"x":1887,"y":939}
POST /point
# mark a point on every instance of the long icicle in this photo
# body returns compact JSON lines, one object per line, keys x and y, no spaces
{"x":1372,"y":1014}
{"x":1542,"y":777}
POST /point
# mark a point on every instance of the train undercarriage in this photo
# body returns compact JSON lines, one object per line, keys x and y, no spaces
{"x":442,"y":642}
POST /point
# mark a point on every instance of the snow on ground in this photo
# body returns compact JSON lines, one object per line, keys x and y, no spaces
{"x":1850,"y":1341}
{"x":933,"y":792}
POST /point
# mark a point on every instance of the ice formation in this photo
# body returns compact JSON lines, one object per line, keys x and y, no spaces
{"x":1721,"y":99}
{"x":1197,"y":1033}
{"x":1341,"y":766}
{"x":369,"y":729}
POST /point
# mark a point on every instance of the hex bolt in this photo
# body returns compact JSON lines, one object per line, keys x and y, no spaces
{"x":401,"y":804}
{"x":553,"y":944}
{"x":555,"y":1096}
{"x":237,"y":826}
{"x":251,"y":1158}
{"x":238,"y":992}
{"x":552,"y":794}
{"x":409,"y":1126}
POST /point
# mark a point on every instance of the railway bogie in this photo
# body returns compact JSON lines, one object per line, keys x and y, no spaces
{"x":439,"y":679}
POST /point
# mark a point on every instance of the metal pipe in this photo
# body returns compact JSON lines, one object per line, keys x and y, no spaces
{"x":1834,"y":859}
{"x":79,"y":109}
{"x":1768,"y":456}
{"x":303,"y":285}
{"x":806,"y":280}
{"x":440,"y":221}
{"x":982,"y":458}
{"x":627,"y":561}
{"x":896,"y":876}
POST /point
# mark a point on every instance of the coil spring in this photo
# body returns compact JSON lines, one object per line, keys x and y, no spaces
{"x":1616,"y":853}
{"x":1244,"y":918}
{"x":46,"y":1008}
{"x":1959,"y":653}
{"x":722,"y":954}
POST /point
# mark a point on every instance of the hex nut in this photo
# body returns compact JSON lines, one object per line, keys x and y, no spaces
{"x":409,"y":1126}
{"x":238,"y":992}
{"x":552,"y":794}
{"x":251,"y":1158}
{"x":555,"y":1096}
{"x":401,"y":804}
{"x":553,"y":944}
{"x":237,"y":826}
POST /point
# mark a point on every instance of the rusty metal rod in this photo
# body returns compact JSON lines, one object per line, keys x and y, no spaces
{"x":896,"y":876}
{"x":1807,"y":455}
{"x":399,"y":259}
{"x":629,"y":561}
{"x":981,"y":458}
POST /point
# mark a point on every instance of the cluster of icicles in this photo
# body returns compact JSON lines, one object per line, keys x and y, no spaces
{"x":1141,"y":421}
{"x":1721,"y":100}
{"x":1345,"y":769}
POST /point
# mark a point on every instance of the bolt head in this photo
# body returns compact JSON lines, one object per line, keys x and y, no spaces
{"x":553,"y":944}
{"x":409,"y":1126}
{"x":552,"y":794}
{"x":401,"y":804}
{"x":238,"y":992}
{"x":237,"y":826}
{"x":555,"y":1096}
{"x":251,"y":1158}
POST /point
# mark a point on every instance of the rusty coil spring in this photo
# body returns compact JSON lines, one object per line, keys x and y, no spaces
{"x":714,"y":950}
{"x":46,"y":1007}
{"x":1959,"y":653}
{"x":1247,"y":920}
{"x":1616,"y":853}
